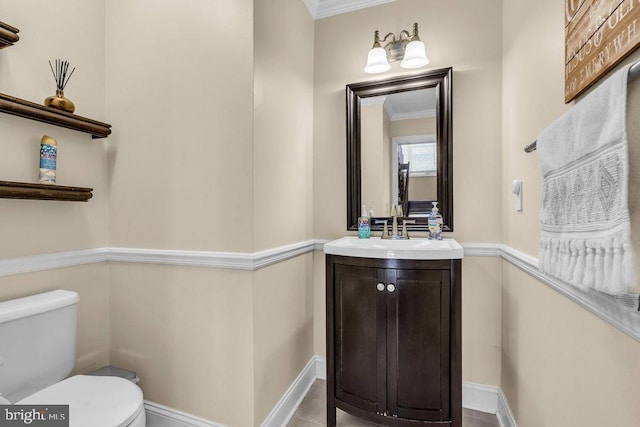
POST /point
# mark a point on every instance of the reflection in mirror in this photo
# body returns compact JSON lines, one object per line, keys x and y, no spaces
{"x":399,"y":152}
{"x":399,"y":147}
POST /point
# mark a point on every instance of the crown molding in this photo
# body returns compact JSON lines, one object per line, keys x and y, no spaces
{"x":373,"y":100}
{"x":322,"y":9}
{"x":312,"y":6}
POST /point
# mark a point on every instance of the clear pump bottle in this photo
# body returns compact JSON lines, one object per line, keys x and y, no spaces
{"x":435,"y":223}
{"x":364,"y":224}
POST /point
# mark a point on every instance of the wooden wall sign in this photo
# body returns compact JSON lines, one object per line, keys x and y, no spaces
{"x":598,"y":35}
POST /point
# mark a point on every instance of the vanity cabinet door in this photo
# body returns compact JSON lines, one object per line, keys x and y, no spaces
{"x":394,"y":341}
{"x":360,"y":342}
{"x":418,"y":336}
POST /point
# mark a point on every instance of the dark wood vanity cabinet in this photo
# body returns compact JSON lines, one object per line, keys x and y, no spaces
{"x":394,"y":340}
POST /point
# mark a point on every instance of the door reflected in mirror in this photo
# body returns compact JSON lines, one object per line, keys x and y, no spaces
{"x":399,"y":147}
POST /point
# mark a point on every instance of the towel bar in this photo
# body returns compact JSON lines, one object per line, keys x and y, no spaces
{"x":634,"y":73}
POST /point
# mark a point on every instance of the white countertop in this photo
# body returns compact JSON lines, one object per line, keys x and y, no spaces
{"x":414,"y":248}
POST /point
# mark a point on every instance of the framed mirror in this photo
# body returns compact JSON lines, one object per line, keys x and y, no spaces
{"x":399,"y":148}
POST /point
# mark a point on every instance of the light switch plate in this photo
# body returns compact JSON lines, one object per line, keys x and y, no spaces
{"x":516,"y":189}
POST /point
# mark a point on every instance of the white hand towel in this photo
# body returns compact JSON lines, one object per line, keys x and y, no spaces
{"x":584,"y":220}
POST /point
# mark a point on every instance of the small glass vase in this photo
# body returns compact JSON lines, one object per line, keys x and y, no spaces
{"x":60,"y":102}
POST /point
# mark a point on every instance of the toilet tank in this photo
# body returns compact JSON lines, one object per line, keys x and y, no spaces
{"x":37,"y":342}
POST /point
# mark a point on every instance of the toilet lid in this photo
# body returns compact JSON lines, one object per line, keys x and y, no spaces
{"x":93,"y":400}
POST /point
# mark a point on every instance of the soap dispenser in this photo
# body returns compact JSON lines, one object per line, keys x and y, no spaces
{"x":435,"y":223}
{"x":364,"y":226}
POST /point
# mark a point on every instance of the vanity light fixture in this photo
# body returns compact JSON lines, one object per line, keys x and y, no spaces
{"x":406,"y":48}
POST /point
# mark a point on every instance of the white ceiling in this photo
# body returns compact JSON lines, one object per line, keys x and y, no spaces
{"x":323,"y":8}
{"x":411,"y":105}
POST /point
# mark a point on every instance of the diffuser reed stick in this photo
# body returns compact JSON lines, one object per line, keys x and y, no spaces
{"x":60,"y":74}
{"x":62,"y":78}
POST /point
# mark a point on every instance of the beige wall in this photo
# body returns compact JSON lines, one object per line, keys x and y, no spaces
{"x":283,"y":123}
{"x":180,"y":175}
{"x":372,"y":159}
{"x":282,"y":196}
{"x":188,"y":333}
{"x":423,"y":188}
{"x":421,"y":126}
{"x":561,"y":365}
{"x":180,"y":98}
{"x":386,"y":165}
{"x":445,"y":27}
{"x":283,"y":329}
{"x":218,"y":158}
{"x":30,"y":227}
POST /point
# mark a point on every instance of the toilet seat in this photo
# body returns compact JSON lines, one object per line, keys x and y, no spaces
{"x":93,"y":400}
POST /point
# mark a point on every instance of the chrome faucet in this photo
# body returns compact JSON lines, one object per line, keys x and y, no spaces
{"x":394,"y":226}
{"x":385,"y":229}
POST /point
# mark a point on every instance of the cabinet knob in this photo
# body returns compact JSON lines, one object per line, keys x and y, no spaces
{"x":391,"y":287}
{"x":380,"y":286}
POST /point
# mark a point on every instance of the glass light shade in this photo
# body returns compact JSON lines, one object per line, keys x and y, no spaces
{"x":377,"y":61}
{"x":415,"y":55}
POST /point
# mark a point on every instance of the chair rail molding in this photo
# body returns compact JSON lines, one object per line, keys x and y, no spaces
{"x":607,"y":308}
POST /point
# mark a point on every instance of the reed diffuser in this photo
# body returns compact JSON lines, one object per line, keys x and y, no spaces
{"x":60,"y":75}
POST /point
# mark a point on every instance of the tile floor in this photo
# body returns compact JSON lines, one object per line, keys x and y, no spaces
{"x":312,"y":413}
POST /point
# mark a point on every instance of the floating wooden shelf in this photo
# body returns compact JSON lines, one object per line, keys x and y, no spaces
{"x":40,"y":113}
{"x":23,"y":190}
{"x":8,"y":35}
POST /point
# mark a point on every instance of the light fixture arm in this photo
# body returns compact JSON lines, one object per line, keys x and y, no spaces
{"x":377,"y":41}
{"x":404,"y":36}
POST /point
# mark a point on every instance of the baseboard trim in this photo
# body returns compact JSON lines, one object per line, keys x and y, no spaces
{"x":177,"y":418}
{"x":489,"y":399}
{"x":480,"y":397}
{"x":504,"y":414}
{"x":289,"y":402}
{"x":321,"y":367}
{"x":477,"y":397}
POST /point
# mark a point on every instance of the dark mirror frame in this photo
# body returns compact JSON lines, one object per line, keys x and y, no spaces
{"x":441,"y":81}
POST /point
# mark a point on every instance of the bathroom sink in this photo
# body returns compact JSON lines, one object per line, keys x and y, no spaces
{"x":395,"y":249}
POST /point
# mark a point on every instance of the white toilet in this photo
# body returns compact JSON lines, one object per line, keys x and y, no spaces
{"x":37,"y":351}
